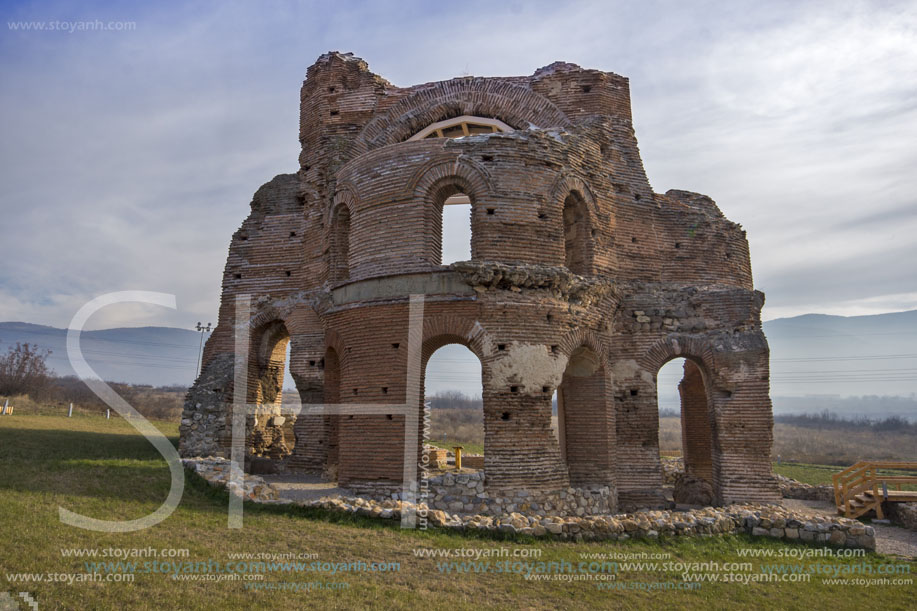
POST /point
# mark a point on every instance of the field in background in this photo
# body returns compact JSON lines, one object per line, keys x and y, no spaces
{"x":105,"y":469}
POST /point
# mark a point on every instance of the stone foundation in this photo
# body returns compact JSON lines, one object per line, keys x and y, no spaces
{"x":793,"y":489}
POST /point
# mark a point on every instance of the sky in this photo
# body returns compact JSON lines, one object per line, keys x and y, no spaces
{"x":130,"y":155}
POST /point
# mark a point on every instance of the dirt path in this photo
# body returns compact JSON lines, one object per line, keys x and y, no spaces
{"x":304,"y":487}
{"x":891,"y":540}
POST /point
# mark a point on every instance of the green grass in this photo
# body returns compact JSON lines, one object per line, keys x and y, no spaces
{"x":821,"y":474}
{"x":808,"y":474}
{"x":106,"y":470}
{"x":469,"y":448}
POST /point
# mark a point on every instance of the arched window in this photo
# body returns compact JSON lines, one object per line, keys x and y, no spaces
{"x":340,"y":244}
{"x":459,"y":127}
{"x":576,"y":234}
{"x":452,"y":208}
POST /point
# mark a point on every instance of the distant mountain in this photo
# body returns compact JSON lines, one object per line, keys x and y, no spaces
{"x":844,"y":355}
{"x":814,"y":355}
{"x":160,"y":356}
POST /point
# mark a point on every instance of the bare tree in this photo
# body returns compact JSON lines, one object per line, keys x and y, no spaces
{"x":23,"y":369}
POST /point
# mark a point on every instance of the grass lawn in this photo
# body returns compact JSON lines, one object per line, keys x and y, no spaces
{"x":469,"y":448}
{"x":104,"y":469}
{"x":821,"y":474}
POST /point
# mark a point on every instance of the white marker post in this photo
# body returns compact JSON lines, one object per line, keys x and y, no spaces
{"x":108,"y":414}
{"x":70,"y":411}
{"x":6,"y":406}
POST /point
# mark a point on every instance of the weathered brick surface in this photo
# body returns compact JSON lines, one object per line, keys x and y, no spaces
{"x":581,"y":279}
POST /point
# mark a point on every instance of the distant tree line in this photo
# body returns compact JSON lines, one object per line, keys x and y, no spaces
{"x":24,"y":372}
{"x":830,"y":420}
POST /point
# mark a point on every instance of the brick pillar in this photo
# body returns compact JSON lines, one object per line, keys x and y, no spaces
{"x":520,"y":450}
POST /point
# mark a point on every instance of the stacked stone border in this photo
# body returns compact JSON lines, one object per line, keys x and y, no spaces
{"x":763,"y":520}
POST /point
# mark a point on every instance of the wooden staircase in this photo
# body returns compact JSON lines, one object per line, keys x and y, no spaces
{"x":861,"y":488}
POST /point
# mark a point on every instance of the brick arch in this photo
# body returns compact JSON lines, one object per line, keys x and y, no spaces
{"x":344,"y":195}
{"x":565,"y":184}
{"x":678,"y":346}
{"x":333,"y":339}
{"x":515,"y":105}
{"x":439,"y":331}
{"x":472,"y":177}
{"x":268,"y":314}
{"x":584,"y":337}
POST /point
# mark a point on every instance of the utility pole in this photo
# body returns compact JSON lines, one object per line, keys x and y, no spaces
{"x":200,"y":350}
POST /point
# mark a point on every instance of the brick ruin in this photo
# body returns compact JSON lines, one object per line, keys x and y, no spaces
{"x":581,"y":280}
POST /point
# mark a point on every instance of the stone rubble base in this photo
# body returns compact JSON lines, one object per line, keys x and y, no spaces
{"x":216,"y":471}
{"x":754,"y":519}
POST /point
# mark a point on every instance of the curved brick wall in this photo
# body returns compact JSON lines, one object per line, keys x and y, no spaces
{"x":329,"y":256}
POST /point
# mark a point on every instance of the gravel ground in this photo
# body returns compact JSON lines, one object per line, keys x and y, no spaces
{"x":890,"y":540}
{"x":303,"y":487}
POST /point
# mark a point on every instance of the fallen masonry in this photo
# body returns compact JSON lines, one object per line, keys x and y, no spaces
{"x":754,"y":519}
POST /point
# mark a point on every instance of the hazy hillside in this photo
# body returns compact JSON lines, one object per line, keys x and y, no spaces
{"x":159,"y":356}
{"x":857,"y":355}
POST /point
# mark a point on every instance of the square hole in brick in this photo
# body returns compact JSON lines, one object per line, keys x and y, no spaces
{"x":395,"y":345}
{"x":292,"y":234}
{"x":514,"y":389}
{"x":237,"y":276}
{"x":311,"y":363}
{"x":243,"y":237}
{"x":677,"y":244}
{"x":504,"y":416}
{"x":385,"y":390}
{"x":554,"y":349}
{"x":288,"y":273}
{"x":634,"y":392}
{"x":355,"y":391}
{"x":487,"y":157}
{"x":389,"y":417}
{"x":546,"y":389}
{"x":491,"y":211}
{"x":334,"y":113}
{"x":587,"y":88}
{"x":550,"y":317}
{"x":633,"y":240}
{"x":501,"y":346}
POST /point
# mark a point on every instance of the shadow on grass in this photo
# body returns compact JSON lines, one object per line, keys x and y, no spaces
{"x":38,"y":445}
{"x":105,"y":465}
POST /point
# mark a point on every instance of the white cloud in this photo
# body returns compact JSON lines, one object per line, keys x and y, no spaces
{"x":129,"y":158}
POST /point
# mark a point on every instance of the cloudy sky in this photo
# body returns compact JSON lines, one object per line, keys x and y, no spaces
{"x":130,"y":156}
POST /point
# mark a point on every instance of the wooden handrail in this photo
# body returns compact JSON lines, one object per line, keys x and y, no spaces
{"x":863,"y":477}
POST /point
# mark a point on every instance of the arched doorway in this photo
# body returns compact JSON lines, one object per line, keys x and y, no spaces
{"x":453,"y":390}
{"x":585,"y":420}
{"x":267,"y":427}
{"x":686,"y":421}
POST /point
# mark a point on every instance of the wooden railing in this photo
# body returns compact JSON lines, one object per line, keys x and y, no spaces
{"x":860,"y":488}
